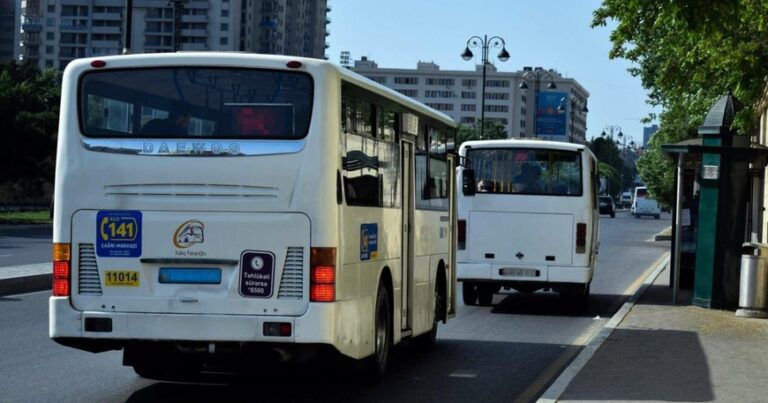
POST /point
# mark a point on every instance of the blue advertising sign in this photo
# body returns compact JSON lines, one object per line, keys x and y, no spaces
{"x":549,"y":121}
{"x":257,"y":274}
{"x":369,"y":241}
{"x":118,"y":233}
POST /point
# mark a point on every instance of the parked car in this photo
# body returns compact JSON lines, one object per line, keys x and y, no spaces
{"x":606,"y":205}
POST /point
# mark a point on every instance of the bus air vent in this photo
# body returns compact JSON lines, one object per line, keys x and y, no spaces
{"x":292,"y":281}
{"x":88,"y":281}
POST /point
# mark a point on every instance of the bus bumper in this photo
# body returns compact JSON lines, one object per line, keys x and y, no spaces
{"x":101,"y":331}
{"x":488,"y":272}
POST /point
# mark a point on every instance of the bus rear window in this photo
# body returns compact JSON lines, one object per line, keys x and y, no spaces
{"x":195,"y":102}
{"x":527,"y":171}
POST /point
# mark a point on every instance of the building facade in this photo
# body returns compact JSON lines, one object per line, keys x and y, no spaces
{"x":10,"y":12}
{"x":648,"y":132}
{"x":54,"y":32}
{"x":555,"y":111}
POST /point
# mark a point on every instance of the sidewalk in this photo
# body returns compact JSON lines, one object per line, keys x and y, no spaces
{"x":676,"y":353}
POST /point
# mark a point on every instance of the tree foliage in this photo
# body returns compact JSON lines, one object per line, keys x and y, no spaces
{"x":493,"y":131}
{"x":687,"y":54}
{"x":29,"y":110}
{"x":613,"y":165}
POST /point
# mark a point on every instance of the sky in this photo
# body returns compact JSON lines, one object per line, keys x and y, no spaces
{"x":553,"y":34}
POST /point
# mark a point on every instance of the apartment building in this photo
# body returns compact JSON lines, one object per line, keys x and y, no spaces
{"x":10,"y":13}
{"x":560,"y":115}
{"x":54,"y":32}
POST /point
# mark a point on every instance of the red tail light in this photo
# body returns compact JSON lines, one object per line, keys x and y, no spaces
{"x":61,"y":269}
{"x":581,"y":237}
{"x":462,"y":234}
{"x":322,"y":275}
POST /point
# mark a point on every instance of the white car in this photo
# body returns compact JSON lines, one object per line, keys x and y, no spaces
{"x":644,"y":205}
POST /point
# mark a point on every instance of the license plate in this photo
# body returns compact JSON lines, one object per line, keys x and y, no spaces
{"x":121,"y":278}
{"x":516,"y":272}
{"x":178,"y":275}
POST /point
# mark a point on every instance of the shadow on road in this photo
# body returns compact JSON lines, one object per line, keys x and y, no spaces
{"x":443,"y":373}
{"x":552,"y":304}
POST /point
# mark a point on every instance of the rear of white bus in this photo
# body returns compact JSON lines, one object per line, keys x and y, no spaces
{"x":527,"y":218}
{"x":212,"y":238}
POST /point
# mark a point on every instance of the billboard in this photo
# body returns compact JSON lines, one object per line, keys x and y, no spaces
{"x":550,"y":122}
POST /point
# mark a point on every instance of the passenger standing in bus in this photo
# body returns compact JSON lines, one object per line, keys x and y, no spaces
{"x":176,"y":123}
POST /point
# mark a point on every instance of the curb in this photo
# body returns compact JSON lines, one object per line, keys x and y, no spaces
{"x":25,"y":284}
{"x":558,"y":387}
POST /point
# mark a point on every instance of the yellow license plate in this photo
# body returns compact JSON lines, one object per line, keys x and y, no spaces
{"x":121,"y":278}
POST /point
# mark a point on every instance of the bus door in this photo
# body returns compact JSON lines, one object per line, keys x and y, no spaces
{"x":452,"y":217}
{"x":406,"y":260}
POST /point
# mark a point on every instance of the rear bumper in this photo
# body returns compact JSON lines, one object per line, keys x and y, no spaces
{"x":489,"y":272}
{"x":317,"y":326}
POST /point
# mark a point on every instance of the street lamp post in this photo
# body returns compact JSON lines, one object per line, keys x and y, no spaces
{"x":484,"y":43}
{"x":573,"y":102}
{"x":608,"y":131}
{"x":536,"y":74}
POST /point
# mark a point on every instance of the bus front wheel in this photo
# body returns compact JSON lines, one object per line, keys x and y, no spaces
{"x":469,"y":293}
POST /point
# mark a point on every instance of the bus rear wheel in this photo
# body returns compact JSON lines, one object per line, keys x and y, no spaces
{"x":375,"y":366}
{"x":485,"y":294}
{"x":469,"y":293}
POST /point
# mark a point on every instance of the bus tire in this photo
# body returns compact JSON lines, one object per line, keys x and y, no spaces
{"x":375,"y":366}
{"x":469,"y":293}
{"x":485,"y":294}
{"x":427,"y":340}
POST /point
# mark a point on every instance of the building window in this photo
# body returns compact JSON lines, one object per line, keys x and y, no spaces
{"x":497,"y":108}
{"x":440,"y":81}
{"x":468,"y":95}
{"x":407,"y":80}
{"x":225,"y":26}
{"x":224,"y":41}
{"x":49,"y":50}
{"x":379,"y":79}
{"x":438,"y":94}
{"x":408,"y":93}
{"x":522,"y":110}
{"x":469,"y":82}
{"x":468,"y":107}
{"x":524,"y":99}
{"x":497,"y":83}
{"x":51,"y":22}
{"x":522,"y":122}
{"x":225,"y":13}
{"x":440,"y":106}
{"x":497,"y":95}
{"x":48,"y":63}
{"x":50,"y":36}
{"x":51,"y":8}
{"x":468,"y":119}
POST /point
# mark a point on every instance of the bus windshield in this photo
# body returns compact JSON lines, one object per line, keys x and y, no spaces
{"x":199,"y":102}
{"x":526,"y":171}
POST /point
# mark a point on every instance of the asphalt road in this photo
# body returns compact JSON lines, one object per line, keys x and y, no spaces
{"x":510,"y":351}
{"x":24,"y":244}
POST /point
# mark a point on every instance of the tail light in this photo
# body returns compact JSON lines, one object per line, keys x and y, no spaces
{"x":61,"y":269}
{"x":322,"y":275}
{"x":581,"y":237}
{"x":462,"y":236}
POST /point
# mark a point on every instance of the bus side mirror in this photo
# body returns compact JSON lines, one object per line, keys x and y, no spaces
{"x":468,"y":184}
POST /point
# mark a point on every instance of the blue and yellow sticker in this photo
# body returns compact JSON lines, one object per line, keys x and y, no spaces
{"x":118,"y":233}
{"x":369,"y":241}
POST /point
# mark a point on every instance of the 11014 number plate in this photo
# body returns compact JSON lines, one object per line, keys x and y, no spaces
{"x":121,"y":278}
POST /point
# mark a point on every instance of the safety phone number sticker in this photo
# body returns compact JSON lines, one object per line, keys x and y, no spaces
{"x":118,"y":233}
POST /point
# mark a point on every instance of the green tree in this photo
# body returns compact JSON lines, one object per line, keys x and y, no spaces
{"x":493,"y":131}
{"x":29,"y":110}
{"x":687,"y":54}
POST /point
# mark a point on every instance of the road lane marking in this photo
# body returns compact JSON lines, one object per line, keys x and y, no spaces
{"x":585,"y":340}
{"x":556,"y":390}
{"x":464,"y":373}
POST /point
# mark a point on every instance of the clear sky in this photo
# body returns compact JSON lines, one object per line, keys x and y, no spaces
{"x":552,"y":34}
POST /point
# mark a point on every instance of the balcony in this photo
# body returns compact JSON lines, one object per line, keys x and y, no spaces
{"x":195,"y":18}
{"x":106,"y":44}
{"x":194,"y":33}
{"x":199,"y":5}
{"x":32,"y":27}
{"x":194,"y":46}
{"x":108,"y":16}
{"x":106,"y":30}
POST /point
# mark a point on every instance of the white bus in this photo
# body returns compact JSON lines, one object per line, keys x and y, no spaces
{"x":528,"y":218}
{"x":218,"y":209}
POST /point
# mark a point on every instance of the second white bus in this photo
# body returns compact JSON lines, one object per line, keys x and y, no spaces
{"x":224,"y":210}
{"x":528,"y":218}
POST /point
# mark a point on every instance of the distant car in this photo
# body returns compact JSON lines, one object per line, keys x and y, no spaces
{"x":605,"y":203}
{"x":626,"y":199}
{"x":644,"y":205}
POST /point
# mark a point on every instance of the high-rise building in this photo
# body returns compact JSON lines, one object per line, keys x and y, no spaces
{"x":58,"y":31}
{"x":560,"y":115}
{"x":10,"y":12}
{"x":648,"y":132}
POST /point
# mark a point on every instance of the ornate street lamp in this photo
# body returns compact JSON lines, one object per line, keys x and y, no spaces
{"x":536,"y":75}
{"x":573,"y":103}
{"x":484,"y":43}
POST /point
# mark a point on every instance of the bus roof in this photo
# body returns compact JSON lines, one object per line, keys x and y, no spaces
{"x":207,"y":58}
{"x":523,"y":143}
